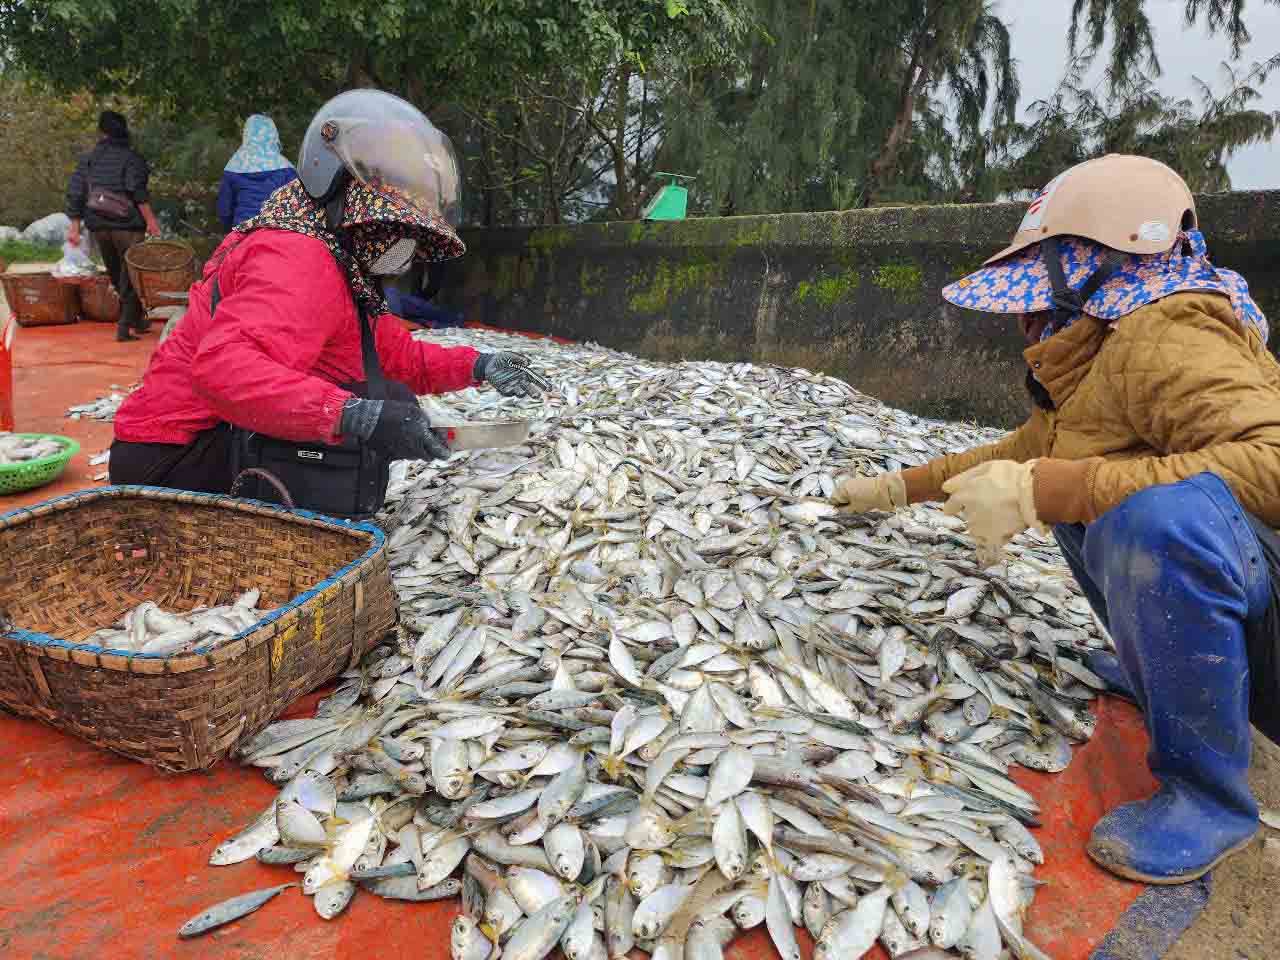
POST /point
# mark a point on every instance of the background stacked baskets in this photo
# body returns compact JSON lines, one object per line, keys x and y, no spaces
{"x":39,"y":299}
{"x":98,"y":299}
{"x":75,"y":564}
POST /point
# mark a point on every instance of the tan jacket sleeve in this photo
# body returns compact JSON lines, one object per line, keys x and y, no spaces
{"x":1025,"y":443}
{"x":1192,"y":387}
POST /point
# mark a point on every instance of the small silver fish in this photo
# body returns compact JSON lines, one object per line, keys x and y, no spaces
{"x":229,"y":910}
{"x":467,"y":942}
{"x":536,"y":936}
{"x":331,"y":899}
{"x":950,"y":913}
{"x":852,"y":932}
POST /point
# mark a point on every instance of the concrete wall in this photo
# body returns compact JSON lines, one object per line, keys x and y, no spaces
{"x":853,"y":293}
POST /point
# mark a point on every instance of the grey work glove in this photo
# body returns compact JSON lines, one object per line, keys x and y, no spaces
{"x":401,"y":431}
{"x":509,"y":374}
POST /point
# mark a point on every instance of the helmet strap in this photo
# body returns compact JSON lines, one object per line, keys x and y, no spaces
{"x":334,"y":210}
{"x":335,"y":200}
{"x":1068,"y":303}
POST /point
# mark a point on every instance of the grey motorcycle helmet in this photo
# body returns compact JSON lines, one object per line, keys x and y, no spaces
{"x":385,"y":142}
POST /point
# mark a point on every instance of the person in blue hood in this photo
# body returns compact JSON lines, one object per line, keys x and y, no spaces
{"x":254,"y":172}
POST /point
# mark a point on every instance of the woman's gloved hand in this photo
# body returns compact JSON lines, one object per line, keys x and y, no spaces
{"x":399,"y":430}
{"x":996,"y":501}
{"x":859,"y":494}
{"x":509,"y":374}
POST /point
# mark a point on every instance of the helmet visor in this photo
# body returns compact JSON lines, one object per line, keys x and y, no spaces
{"x":388,"y":144}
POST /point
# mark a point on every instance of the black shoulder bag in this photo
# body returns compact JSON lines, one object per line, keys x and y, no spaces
{"x":109,"y":204}
{"x":347,"y":480}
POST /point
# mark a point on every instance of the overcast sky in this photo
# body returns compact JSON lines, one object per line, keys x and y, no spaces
{"x":1039,"y":30}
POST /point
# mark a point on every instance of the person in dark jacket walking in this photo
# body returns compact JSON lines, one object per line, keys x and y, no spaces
{"x":254,"y":172}
{"x":108,"y":194}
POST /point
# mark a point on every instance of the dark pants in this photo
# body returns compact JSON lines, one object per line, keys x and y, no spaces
{"x":113,"y":244}
{"x":204,"y":464}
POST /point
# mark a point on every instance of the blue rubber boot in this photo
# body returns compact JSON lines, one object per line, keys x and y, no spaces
{"x":1180,"y":573}
{"x":1104,"y":663}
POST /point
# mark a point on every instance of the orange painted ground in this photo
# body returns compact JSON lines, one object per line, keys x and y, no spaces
{"x":106,"y":858}
{"x":59,"y":367}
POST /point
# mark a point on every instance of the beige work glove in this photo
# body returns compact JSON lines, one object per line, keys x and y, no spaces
{"x":859,"y":494}
{"x":996,"y":501}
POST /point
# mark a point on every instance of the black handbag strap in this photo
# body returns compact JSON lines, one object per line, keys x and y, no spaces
{"x":368,"y":350}
{"x":275,"y":482}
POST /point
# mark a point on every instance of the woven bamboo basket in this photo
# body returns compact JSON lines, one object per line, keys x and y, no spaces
{"x":41,"y":299}
{"x":157,"y":267}
{"x":98,"y":299}
{"x":75,"y":564}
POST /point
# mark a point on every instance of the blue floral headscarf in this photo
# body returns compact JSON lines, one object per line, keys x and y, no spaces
{"x":1020,"y":283}
{"x":259,"y":149}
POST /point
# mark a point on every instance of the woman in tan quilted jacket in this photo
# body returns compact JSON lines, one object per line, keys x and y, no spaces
{"x":1153,"y":453}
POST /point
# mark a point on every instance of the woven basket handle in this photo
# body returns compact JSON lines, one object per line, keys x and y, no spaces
{"x":268,"y":476}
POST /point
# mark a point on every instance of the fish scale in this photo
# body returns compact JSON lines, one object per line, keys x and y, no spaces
{"x":764,"y":683}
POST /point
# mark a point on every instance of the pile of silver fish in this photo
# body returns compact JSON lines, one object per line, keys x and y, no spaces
{"x":149,"y":629}
{"x":16,"y":448}
{"x":104,"y":408}
{"x":651,"y":690}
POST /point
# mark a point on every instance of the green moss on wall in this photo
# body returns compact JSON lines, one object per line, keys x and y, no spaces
{"x":828,"y":289}
{"x":834,"y":289}
{"x":670,"y":280}
{"x":763,"y":235}
{"x":511,"y":273}
{"x":550,"y":238}
{"x":506,"y":270}
{"x":730,"y":233}
{"x":656,"y":295}
{"x":590,"y":279}
{"x":904,"y":280}
{"x":963,"y":270}
{"x":846,"y":255}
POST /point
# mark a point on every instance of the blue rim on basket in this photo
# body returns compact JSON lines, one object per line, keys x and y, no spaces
{"x":44,"y":640}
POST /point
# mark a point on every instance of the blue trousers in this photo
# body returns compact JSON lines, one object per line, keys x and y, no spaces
{"x":421,"y":311}
{"x":1175,"y":573}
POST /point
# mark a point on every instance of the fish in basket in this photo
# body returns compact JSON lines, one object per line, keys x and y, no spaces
{"x":273,"y":603}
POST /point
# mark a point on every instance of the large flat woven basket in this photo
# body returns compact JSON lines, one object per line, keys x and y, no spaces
{"x":75,"y":564}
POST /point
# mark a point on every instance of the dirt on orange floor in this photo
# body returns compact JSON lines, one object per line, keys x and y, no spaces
{"x":107,"y":858}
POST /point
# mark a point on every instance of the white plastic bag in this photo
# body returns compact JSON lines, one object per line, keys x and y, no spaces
{"x":75,"y":261}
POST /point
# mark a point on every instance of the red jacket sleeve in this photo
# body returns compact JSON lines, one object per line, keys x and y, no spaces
{"x":424,"y":366}
{"x":286,"y":301}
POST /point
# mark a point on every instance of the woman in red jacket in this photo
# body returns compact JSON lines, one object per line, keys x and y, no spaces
{"x":281,"y":354}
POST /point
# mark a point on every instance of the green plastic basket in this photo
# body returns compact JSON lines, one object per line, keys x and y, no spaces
{"x":16,"y":477}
